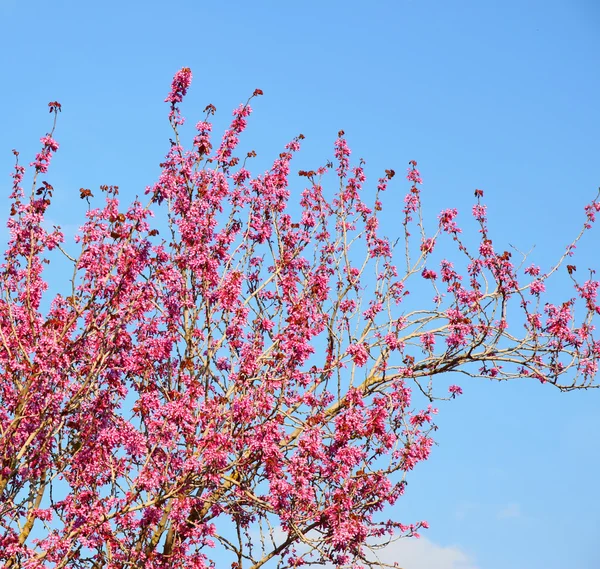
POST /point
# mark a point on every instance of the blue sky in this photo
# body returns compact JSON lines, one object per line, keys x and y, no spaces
{"x":499,"y":95}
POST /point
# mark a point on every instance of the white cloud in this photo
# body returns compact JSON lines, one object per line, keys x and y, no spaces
{"x":466,"y":509}
{"x":512,"y":510}
{"x":412,"y":553}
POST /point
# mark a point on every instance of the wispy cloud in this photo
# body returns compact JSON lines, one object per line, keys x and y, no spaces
{"x":465,"y":509}
{"x":512,"y":510}
{"x":425,"y":554}
{"x":413,"y":553}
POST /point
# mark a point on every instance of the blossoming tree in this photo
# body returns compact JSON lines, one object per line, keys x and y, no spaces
{"x":235,"y":384}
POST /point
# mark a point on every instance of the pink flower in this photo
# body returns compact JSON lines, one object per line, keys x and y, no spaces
{"x":179,"y":86}
{"x":447,"y":222}
{"x":414,"y":175}
{"x":412,"y":203}
{"x":49,"y":142}
{"x":588,"y":367}
{"x":342,"y":153}
{"x":428,"y":341}
{"x":479,"y":213}
{"x":42,"y":158}
{"x":535,"y":320}
{"x":392,"y":341}
{"x":235,"y":345}
{"x":486,"y":249}
{"x":374,"y":309}
{"x":532,"y":270}
{"x":347,"y":305}
{"x":427,"y":245}
{"x":359,"y":354}
{"x":455,"y":390}
{"x":537,"y":287}
{"x":590,"y":212}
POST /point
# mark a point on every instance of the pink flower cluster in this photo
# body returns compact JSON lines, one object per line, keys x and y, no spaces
{"x":247,"y":360}
{"x":42,"y":158}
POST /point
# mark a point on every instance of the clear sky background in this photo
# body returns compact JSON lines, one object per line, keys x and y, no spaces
{"x":498,"y":95}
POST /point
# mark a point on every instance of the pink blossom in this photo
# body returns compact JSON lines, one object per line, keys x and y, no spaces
{"x":447,"y":222}
{"x":537,"y":287}
{"x":428,"y":341}
{"x":412,"y":203}
{"x":427,"y":245}
{"x":479,"y":213}
{"x":49,"y":143}
{"x":359,"y":354}
{"x":42,"y":158}
{"x":393,"y":343}
{"x":414,"y":175}
{"x":203,"y":369}
{"x":374,"y":309}
{"x":348,"y":305}
{"x":179,"y":86}
{"x":532,"y":270}
{"x":455,"y":390}
{"x":342,"y":153}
